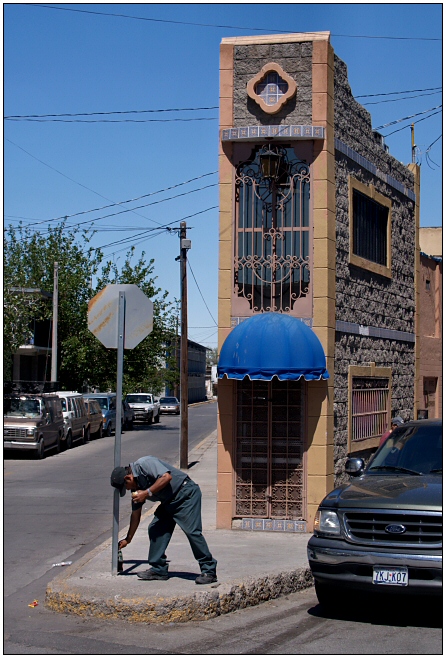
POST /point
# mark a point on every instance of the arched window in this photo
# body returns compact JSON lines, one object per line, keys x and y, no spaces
{"x":272,"y":241}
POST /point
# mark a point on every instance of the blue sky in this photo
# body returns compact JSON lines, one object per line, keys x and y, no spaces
{"x":66,"y":62}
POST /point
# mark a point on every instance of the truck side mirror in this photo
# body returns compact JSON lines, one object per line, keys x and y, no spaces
{"x":354,"y":466}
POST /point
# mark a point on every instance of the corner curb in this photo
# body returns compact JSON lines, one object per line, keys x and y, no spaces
{"x":197,"y":607}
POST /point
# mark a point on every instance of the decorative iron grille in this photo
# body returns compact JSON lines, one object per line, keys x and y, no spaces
{"x":370,"y":407}
{"x":272,"y":245}
{"x":270,"y":446}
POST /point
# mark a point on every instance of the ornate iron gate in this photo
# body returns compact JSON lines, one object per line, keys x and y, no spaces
{"x":270,"y":480}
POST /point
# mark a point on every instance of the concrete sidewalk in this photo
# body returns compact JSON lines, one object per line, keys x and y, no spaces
{"x":252,"y":567}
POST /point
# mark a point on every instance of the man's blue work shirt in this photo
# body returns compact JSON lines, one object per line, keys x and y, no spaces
{"x":147,"y":470}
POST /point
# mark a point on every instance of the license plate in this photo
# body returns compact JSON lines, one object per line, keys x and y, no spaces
{"x":397,"y":576}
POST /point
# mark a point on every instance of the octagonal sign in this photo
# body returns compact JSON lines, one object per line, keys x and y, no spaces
{"x":103,"y":315}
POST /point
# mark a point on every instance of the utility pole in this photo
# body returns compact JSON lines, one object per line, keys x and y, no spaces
{"x":185,"y":244}
{"x":412,"y":130}
{"x":55,"y":319}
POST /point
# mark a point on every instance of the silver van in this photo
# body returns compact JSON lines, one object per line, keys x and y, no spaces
{"x":33,"y":422}
{"x":76,"y":418}
{"x":107,"y":402}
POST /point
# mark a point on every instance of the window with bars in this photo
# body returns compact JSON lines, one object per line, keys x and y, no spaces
{"x":370,"y":397}
{"x":270,"y":479}
{"x":369,"y":229}
{"x":272,"y":236}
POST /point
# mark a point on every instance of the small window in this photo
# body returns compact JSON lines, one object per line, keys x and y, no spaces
{"x":369,"y":405}
{"x":369,"y":229}
{"x":428,"y":285}
{"x":370,"y":216}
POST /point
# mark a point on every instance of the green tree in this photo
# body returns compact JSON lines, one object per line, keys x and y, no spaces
{"x":83,"y":360}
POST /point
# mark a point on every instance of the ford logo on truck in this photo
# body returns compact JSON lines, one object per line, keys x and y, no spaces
{"x":395,"y":529}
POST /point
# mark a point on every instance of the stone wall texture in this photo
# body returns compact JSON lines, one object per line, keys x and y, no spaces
{"x":296,"y":60}
{"x":363,"y":297}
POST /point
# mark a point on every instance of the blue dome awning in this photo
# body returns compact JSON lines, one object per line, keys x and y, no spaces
{"x":272,"y":345}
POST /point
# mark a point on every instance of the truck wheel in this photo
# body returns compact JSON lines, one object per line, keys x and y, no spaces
{"x":327,"y":595}
{"x":99,"y":434}
{"x":69,"y":440}
{"x":150,"y":420}
{"x":85,"y":435}
{"x":108,"y":430}
{"x":40,"y":452}
{"x":157,"y":418}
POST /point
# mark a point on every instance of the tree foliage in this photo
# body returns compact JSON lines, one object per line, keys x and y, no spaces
{"x":82,"y":360}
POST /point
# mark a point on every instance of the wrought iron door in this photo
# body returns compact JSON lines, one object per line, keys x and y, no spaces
{"x":270,"y":479}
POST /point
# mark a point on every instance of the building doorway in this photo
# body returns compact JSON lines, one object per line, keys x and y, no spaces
{"x":270,"y":465}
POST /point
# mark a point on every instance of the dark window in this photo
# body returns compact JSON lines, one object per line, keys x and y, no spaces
{"x":369,"y":229}
{"x":272,"y":244}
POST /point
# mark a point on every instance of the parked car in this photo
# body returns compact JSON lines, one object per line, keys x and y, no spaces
{"x":169,"y":406}
{"x":95,"y":418}
{"x":33,"y":422}
{"x":107,"y":402}
{"x":382,"y":532}
{"x":145,"y":406}
{"x":128,"y":416}
{"x":75,"y":416}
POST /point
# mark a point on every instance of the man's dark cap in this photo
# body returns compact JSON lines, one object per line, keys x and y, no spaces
{"x":117,"y":479}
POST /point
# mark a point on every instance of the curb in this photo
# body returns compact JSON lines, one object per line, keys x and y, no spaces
{"x":197,"y":607}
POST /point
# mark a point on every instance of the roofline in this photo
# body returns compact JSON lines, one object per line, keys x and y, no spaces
{"x":277,"y":38}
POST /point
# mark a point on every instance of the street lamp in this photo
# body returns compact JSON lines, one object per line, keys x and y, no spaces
{"x":270,"y":159}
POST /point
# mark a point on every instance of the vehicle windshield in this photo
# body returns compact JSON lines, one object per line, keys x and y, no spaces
{"x":103,"y":402}
{"x":168,"y":401}
{"x":416,"y":449}
{"x":22,"y":407}
{"x":138,"y":398}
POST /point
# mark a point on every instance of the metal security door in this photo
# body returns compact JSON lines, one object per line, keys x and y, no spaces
{"x":270,"y":479}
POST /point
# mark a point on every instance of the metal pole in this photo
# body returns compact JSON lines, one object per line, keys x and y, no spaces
{"x":117,"y":455}
{"x":55,"y":320}
{"x":184,"y":388}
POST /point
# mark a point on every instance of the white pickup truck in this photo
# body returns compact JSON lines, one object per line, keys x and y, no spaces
{"x":145,"y":406}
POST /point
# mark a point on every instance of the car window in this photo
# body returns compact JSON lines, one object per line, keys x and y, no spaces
{"x":139,"y":399}
{"x":24,"y":407}
{"x":168,"y":401}
{"x":103,"y":403}
{"x":416,"y":448}
{"x":63,"y":402}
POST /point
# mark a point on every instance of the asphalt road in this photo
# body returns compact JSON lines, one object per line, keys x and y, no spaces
{"x":61,"y":507}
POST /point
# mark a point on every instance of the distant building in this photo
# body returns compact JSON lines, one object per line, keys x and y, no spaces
{"x":196,"y":373}
{"x":430,"y":380}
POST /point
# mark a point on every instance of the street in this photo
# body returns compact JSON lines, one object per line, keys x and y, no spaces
{"x":60,"y":508}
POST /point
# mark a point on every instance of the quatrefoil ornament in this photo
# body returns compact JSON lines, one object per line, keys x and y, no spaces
{"x":271,"y":88}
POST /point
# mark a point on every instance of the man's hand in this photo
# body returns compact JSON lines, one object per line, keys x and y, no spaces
{"x":123,"y":543}
{"x":140,"y":496}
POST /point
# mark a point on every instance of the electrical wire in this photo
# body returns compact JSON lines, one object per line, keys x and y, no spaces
{"x":391,"y":93}
{"x":196,"y":282}
{"x":116,"y":120}
{"x":404,"y":98}
{"x":89,"y":114}
{"x":419,"y":121}
{"x":231,"y":27}
{"x":411,"y":116}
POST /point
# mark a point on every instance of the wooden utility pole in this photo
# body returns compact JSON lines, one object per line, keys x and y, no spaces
{"x":184,"y":387}
{"x":55,"y":320}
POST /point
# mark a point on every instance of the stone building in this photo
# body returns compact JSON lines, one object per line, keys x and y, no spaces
{"x":317,"y":280}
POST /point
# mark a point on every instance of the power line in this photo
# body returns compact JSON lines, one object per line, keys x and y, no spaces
{"x":192,"y":272}
{"x":411,"y":116}
{"x":115,"y":120}
{"x":392,"y":93}
{"x":232,"y":27}
{"x":419,"y":121}
{"x":404,"y":98}
{"x":89,"y":114}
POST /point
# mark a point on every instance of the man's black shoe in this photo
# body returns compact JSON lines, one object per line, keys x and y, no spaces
{"x":151,"y":575}
{"x":206,"y":579}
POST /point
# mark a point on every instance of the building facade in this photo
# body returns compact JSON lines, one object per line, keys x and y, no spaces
{"x":317,"y":277}
{"x":430,"y":381}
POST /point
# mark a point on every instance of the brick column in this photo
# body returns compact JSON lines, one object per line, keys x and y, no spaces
{"x":320,"y":452}
{"x":415,"y":169}
{"x":225,"y":387}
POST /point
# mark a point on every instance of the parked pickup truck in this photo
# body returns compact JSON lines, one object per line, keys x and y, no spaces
{"x":145,"y":406}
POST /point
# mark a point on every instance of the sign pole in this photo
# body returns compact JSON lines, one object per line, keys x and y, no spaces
{"x":117,"y":455}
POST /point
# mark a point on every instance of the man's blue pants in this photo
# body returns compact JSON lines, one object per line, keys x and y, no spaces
{"x":185,"y":509}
